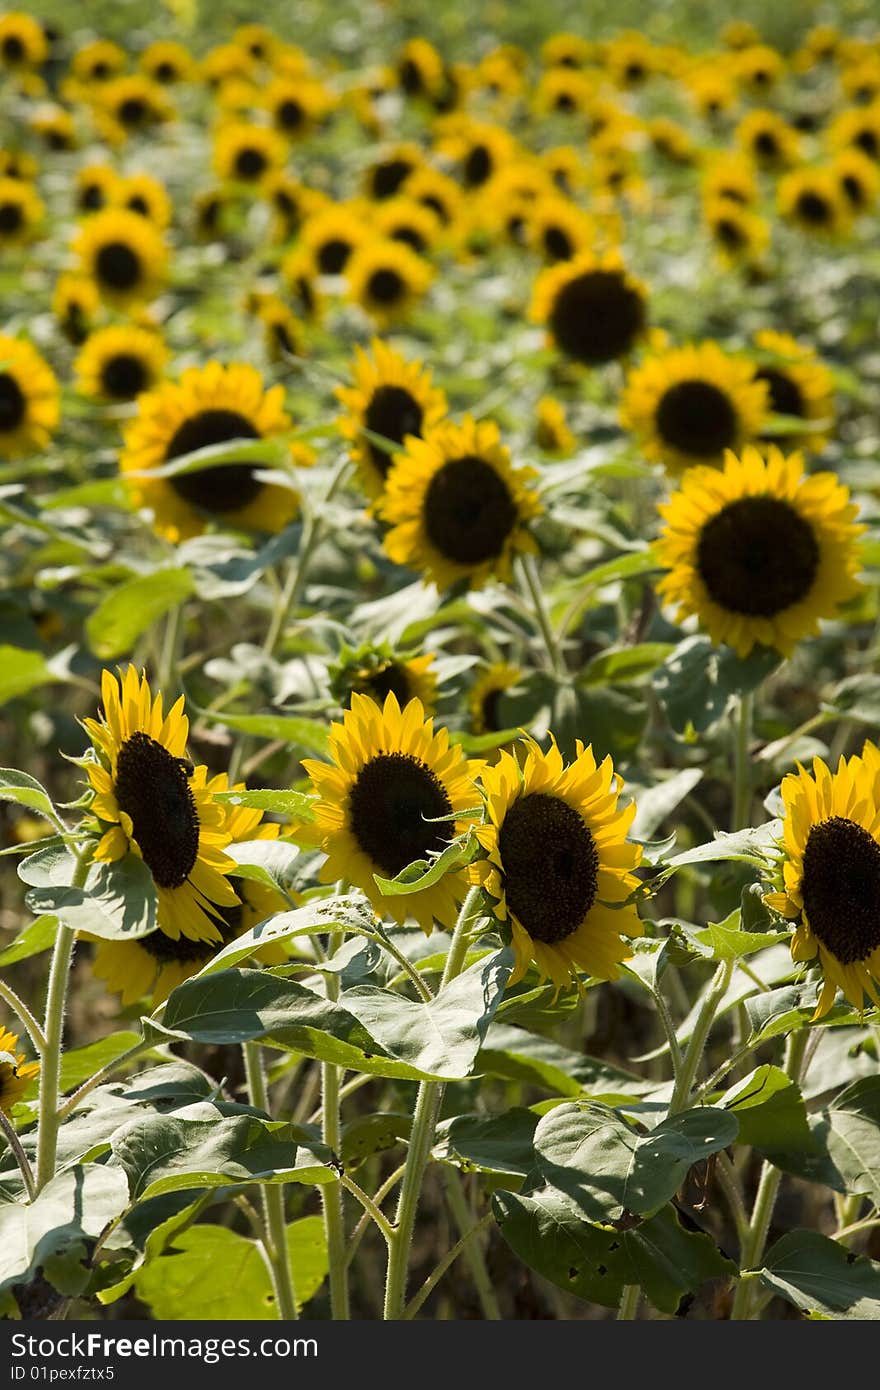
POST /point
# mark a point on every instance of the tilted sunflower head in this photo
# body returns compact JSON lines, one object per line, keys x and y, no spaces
{"x":22,"y":41}
{"x":759,"y":551}
{"x":149,"y":800}
{"x":21,"y":211}
{"x":378,"y":671}
{"x":457,"y":507}
{"x":75,"y":304}
{"x":558,"y":864}
{"x":595,"y":312}
{"x":799,"y":386}
{"x":15,"y":1076}
{"x":831,"y":874}
{"x":391,"y":399}
{"x":394,"y":792}
{"x":29,"y":399}
{"x":211,"y":405}
{"x":486,"y":695}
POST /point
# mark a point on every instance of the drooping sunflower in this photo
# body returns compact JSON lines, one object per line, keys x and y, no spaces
{"x":145,"y":195}
{"x":209,"y":405}
{"x":831,"y":874}
{"x":123,"y":253}
{"x":282,"y":332}
{"x":563,"y":91}
{"x":167,"y":62}
{"x":158,"y":963}
{"x":759,"y":67}
{"x":759,"y":551}
{"x":15,"y":1077}
{"x":21,"y":211}
{"x":486,"y":694}
{"x":437,"y":192}
{"x":813,"y":200}
{"x":386,"y":278}
{"x":420,"y":68}
{"x":391,"y":779}
{"x":457,"y":507}
{"x":75,"y":304}
{"x":567,"y":51}
{"x":392,"y":398}
{"x":559,"y":864}
{"x":731,"y":177}
{"x":22,"y":41}
{"x":248,"y":153}
{"x":712,"y":90}
{"x":687,"y":405}
{"x":150,"y":801}
{"x":740,"y":236}
{"x":799,"y":384}
{"x":595,"y":312}
{"x":671,"y":141}
{"x":118,"y":363}
{"x":29,"y":399}
{"x":374,"y":671}
{"x":300,"y":279}
{"x":552,"y":431}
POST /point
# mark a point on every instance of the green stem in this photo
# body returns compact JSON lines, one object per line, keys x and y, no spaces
{"x":427,"y":1109}
{"x":97,"y":1078}
{"x":369,"y":1206}
{"x":681,"y":1093}
{"x":19,"y":1155}
{"x":728,"y":1181}
{"x":331,"y":1192}
{"x":629,"y":1303}
{"x":272,"y":1194}
{"x":449,"y":1258}
{"x":362,"y":1226}
{"x":765,"y":1198}
{"x":473,"y":1251}
{"x":53,"y":1029}
{"x":18,"y":1006}
{"x":536,"y":593}
{"x":742,"y":770}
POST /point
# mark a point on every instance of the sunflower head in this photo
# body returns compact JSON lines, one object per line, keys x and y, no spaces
{"x":29,"y":398}
{"x":759,"y":551}
{"x":486,"y":694}
{"x":123,"y":253}
{"x":799,"y":385}
{"x":210,"y":405}
{"x":595,"y":312}
{"x":167,"y":62}
{"x":21,"y":211}
{"x":248,"y":154}
{"x":768,"y":139}
{"x":812,"y":199}
{"x":332,"y":234}
{"x":552,"y":431}
{"x":383,"y":799}
{"x":831,"y":874}
{"x":391,"y":398}
{"x":739,"y":235}
{"x":94,"y":186}
{"x":149,"y":800}
{"x":15,"y":1076}
{"x":558,"y":863}
{"x":117,"y":364}
{"x":457,"y":507}
{"x":377,"y":671}
{"x":386,"y":278}
{"x":145,"y":195}
{"x":22,"y":41}
{"x":858,"y":178}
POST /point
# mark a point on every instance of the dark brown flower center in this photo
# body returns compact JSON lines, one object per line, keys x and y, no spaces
{"x":124,"y":376}
{"x":730,"y":233}
{"x":290,"y":114}
{"x":133,"y":111}
{"x":784,"y":392}
{"x":477,"y":167}
{"x":550,"y":866}
{"x":165,"y":950}
{"x":152,"y":787}
{"x":117,"y":266}
{"x":333,"y":255}
{"x":841,"y":888}
{"x":392,"y":677}
{"x":386,"y":286}
{"x":222,"y":487}
{"x":558,"y":244}
{"x":468,"y":511}
{"x":813,"y":208}
{"x":697,"y":418}
{"x":758,"y":556}
{"x":394,"y":413}
{"x":13,"y":404}
{"x":250,"y":163}
{"x":11,"y":218}
{"x":392,"y":805}
{"x":387,"y":178}
{"x":597,"y":317}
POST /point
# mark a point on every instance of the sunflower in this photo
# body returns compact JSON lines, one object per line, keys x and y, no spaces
{"x":437,"y":192}
{"x":225,"y":64}
{"x":158,"y":963}
{"x":21,"y":211}
{"x":563,"y":91}
{"x":15,"y":1077}
{"x":740,"y":236}
{"x":594,"y":310}
{"x":799,"y":384}
{"x":295,"y":106}
{"x":387,"y":175}
{"x":558,"y":229}
{"x":738,"y":34}
{"x":150,"y":801}
{"x":559,"y":865}
{"x":382,"y":799}
{"x":759,"y":551}
{"x":291,"y":202}
{"x":282,"y":333}
{"x":130,"y":105}
{"x":257,"y":40}
{"x":629,"y":60}
{"x":392,"y":398}
{"x":28,"y":399}
{"x":94,"y":187}
{"x":143,"y":194}
{"x":552,"y":432}
{"x":857,"y":128}
{"x":55,"y":127}
{"x":167,"y":62}
{"x":567,"y":51}
{"x":209,"y":405}
{"x":22,"y":41}
{"x":768,"y":139}
{"x":248,"y":153}
{"x":831,"y":874}
{"x":386,"y":278}
{"x":712,"y":90}
{"x":118,"y":363}
{"x":98,"y":62}
{"x":731,"y":177}
{"x":332,"y":234}
{"x":486,"y":694}
{"x":457,"y":507}
{"x":75,"y":304}
{"x":123,"y":253}
{"x":478,"y":149}
{"x":670,"y":140}
{"x":17,"y":164}
{"x":406,"y":220}
{"x":812,"y":199}
{"x":420,"y":69}
{"x":759,"y":67}
{"x":374,"y":671}
{"x":687,"y":405}
{"x":858,"y":178}
{"x":300,"y":280}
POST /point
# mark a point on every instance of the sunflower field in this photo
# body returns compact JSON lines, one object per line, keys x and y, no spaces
{"x":440,"y":661}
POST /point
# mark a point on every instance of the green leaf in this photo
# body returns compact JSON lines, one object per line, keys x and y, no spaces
{"x":269,"y":862}
{"x":311,"y":735}
{"x":495,"y":1143}
{"x":858,"y":697}
{"x":26,"y":791}
{"x":184,"y":1283}
{"x":174,"y":1153}
{"x":424,"y":873}
{"x":654,"y":804}
{"x":284,"y":803}
{"x":20,"y":671}
{"x":79,"y":1063}
{"x":626,"y":663}
{"x":770,"y":1110}
{"x":515,"y":1055}
{"x":846,"y":1143}
{"x":727,"y":941}
{"x":371,"y":1134}
{"x":227,"y":454}
{"x":751,"y":846}
{"x":71,"y":1209}
{"x":697,"y":681}
{"x":821,"y":1277}
{"x":117,"y":903}
{"x":317,"y":918}
{"x":36,"y":937}
{"x":589,"y":1152}
{"x":548,"y":1232}
{"x":122,"y":615}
